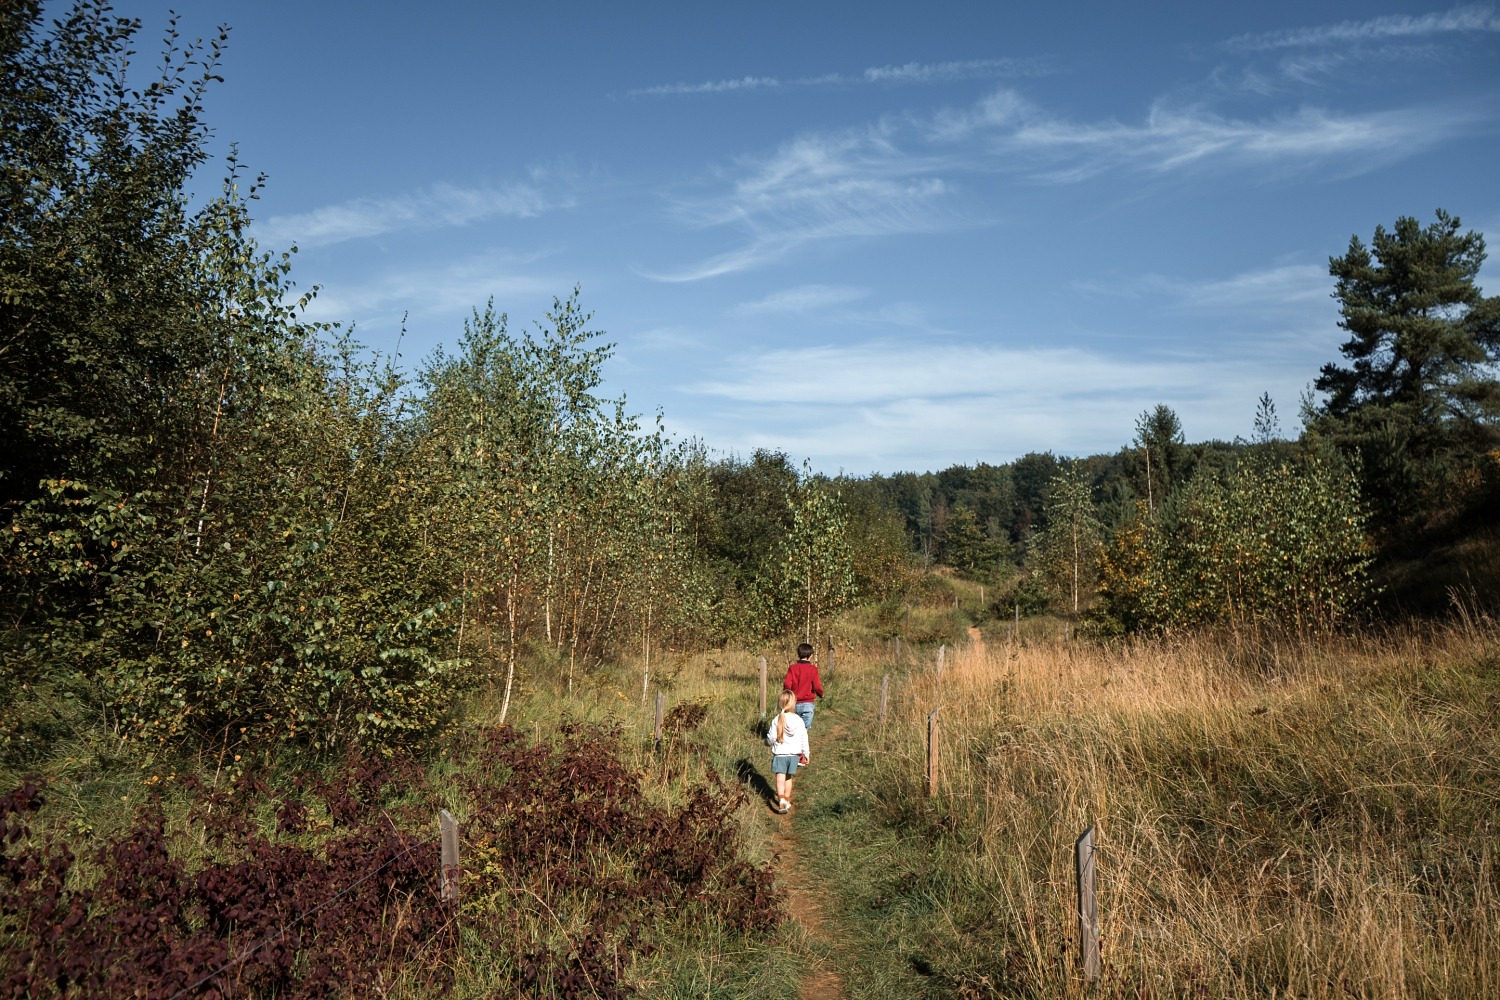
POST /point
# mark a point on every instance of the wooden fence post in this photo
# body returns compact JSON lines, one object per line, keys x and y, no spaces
{"x":763,"y":686}
{"x":661,"y":704}
{"x":885,"y":687}
{"x":932,"y":752}
{"x":1088,"y":907}
{"x":448,"y":833}
{"x":942,"y":655}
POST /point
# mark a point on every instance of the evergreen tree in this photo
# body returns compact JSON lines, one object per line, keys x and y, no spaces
{"x":1158,"y":435}
{"x":1418,"y":399}
{"x":1032,"y":474}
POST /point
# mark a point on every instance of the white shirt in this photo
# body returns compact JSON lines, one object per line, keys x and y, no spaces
{"x":794,"y":740}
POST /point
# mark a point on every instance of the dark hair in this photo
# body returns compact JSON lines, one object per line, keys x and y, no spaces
{"x":804,"y":650}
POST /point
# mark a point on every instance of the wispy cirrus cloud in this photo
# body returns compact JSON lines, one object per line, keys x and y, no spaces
{"x":442,"y":290}
{"x":968,"y":69}
{"x":1172,"y":138}
{"x":1272,"y":289}
{"x":852,"y":184}
{"x":801,"y":300}
{"x":740,"y":84}
{"x":876,"y":372}
{"x":438,"y":206}
{"x":909,"y":175}
{"x":1469,"y":19}
{"x":1263,"y":289}
{"x":906,"y":73}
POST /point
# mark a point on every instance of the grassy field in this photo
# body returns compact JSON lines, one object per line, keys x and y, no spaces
{"x":1273,"y":817}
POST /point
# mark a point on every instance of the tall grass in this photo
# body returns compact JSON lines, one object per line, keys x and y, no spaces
{"x":1276,"y":817}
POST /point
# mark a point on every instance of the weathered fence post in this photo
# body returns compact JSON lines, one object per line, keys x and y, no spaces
{"x":661,"y":704}
{"x":762,"y":685}
{"x":448,"y":834}
{"x":942,"y":655}
{"x":1088,"y":907}
{"x":932,"y":752}
{"x":885,"y":687}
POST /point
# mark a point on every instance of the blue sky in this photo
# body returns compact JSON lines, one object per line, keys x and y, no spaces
{"x":876,"y":236}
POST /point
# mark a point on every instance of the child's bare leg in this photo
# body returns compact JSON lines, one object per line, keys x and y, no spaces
{"x":781,"y":788}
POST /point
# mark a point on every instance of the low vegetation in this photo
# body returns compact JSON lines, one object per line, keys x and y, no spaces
{"x":1273,"y":818}
{"x":577,"y":872}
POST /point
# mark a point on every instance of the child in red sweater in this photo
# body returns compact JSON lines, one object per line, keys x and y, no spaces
{"x":803,"y":681}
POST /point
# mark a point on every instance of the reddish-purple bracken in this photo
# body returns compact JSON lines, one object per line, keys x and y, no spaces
{"x":343,"y":894}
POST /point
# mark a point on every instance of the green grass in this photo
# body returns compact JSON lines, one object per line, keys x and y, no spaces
{"x":1287,"y":819}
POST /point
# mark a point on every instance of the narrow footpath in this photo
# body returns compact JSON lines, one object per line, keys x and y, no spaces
{"x":827,"y":944}
{"x":804,"y":898}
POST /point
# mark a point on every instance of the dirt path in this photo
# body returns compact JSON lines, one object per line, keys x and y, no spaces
{"x":804,"y":901}
{"x":976,"y":640}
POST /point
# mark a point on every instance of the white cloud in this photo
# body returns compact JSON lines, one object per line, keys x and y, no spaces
{"x":881,"y":373}
{"x":960,"y":70}
{"x":1262,"y":293}
{"x":819,"y":187}
{"x":1174,"y":138}
{"x":1271,"y":289}
{"x":442,"y":291}
{"x":674,"y":339}
{"x":744,"y":83}
{"x":906,"y":73}
{"x":1000,"y":110}
{"x":439,"y":206}
{"x":1268,"y":290}
{"x":1459,"y":20}
{"x":904,"y":175}
{"x":803,"y":299}
{"x":887,"y":406}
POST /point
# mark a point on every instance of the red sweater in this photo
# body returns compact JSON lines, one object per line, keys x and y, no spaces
{"x":802,"y":680}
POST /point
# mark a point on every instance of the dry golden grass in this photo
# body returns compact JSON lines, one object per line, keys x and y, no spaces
{"x":1273,"y":817}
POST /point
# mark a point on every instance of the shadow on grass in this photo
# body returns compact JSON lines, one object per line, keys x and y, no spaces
{"x":757,"y":726}
{"x":749,"y":774}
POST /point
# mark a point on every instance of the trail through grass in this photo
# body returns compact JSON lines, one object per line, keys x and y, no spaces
{"x":1274,"y":817}
{"x":802,"y":879}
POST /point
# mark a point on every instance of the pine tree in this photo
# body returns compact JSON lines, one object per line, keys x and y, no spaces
{"x":1419,"y":399}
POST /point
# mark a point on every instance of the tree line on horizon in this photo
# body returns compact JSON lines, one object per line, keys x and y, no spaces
{"x":1403,"y":448}
{"x":222,"y":518}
